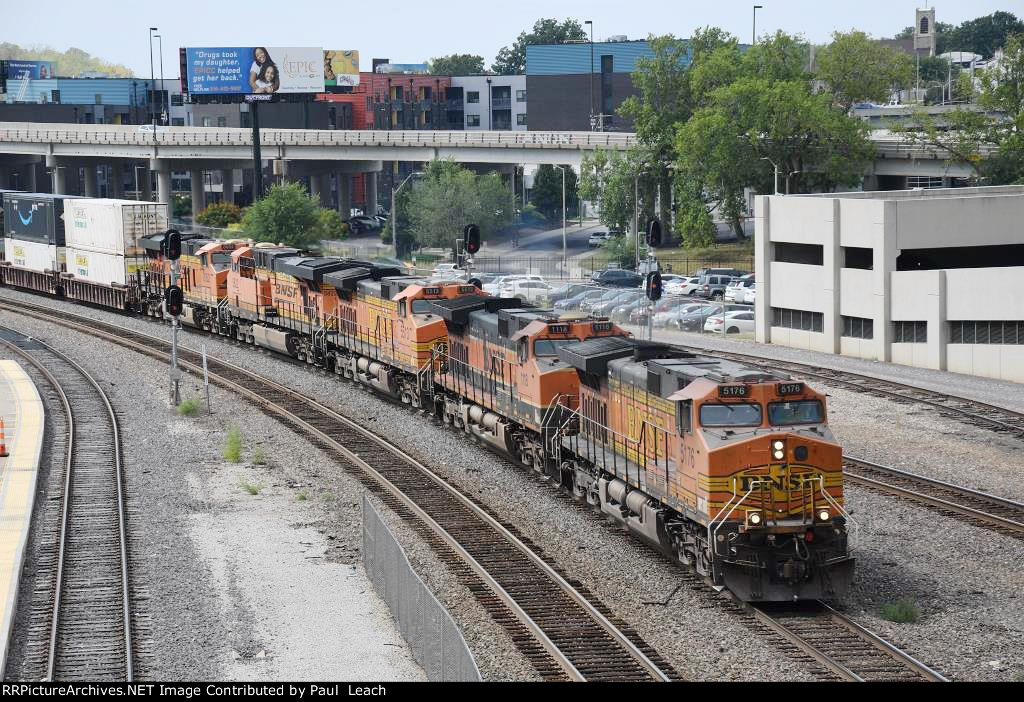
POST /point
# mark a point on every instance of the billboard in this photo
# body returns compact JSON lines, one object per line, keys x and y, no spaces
{"x":32,"y":70}
{"x":416,"y":68}
{"x":254,"y":70}
{"x":341,"y":68}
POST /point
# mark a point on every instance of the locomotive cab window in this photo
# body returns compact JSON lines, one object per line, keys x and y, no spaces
{"x":420,"y":306}
{"x":549,"y":347}
{"x":795,"y":412}
{"x":524,"y":350}
{"x":730,"y":415}
{"x":402,"y":308}
{"x":684,"y":416}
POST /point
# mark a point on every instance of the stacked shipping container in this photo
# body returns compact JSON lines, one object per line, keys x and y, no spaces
{"x":103,"y":237}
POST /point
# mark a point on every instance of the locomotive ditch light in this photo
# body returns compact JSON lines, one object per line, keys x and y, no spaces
{"x":754,"y":519}
{"x":823,"y":515}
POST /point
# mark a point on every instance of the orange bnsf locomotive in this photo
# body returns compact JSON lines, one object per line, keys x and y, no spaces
{"x":716,"y":464}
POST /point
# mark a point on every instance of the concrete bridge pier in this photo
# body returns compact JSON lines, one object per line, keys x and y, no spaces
{"x":58,"y":172}
{"x":227,"y":177}
{"x":198,"y":193}
{"x":116,"y":180}
{"x":370,"y":206}
{"x":163,"y":182}
{"x":344,"y":194}
{"x":89,"y":180}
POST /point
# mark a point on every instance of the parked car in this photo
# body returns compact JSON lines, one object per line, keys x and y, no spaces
{"x":604,"y":309}
{"x":695,"y":319}
{"x":684,"y":285}
{"x":617,"y":278}
{"x":572,"y":304}
{"x":712,"y":287}
{"x":598,"y":238}
{"x":566,"y":291}
{"x":510,"y":281}
{"x":670,"y":318}
{"x":530,"y":290}
{"x":494,"y":286}
{"x":362,"y":223}
{"x":661,"y":307}
{"x":606,"y":296}
{"x":750,"y":295}
{"x":731,"y":323}
{"x":736,"y":290}
{"x":382,"y":221}
{"x":622,"y":313}
{"x":731,"y":272}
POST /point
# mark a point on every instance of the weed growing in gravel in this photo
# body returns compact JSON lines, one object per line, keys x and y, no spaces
{"x":258,"y":457}
{"x":328,"y":496}
{"x":901,"y":612}
{"x":190,"y":407}
{"x":301,"y":497}
{"x":233,"y":445}
{"x":252,"y":488}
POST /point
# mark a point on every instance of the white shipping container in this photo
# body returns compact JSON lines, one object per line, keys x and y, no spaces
{"x":102,"y":267}
{"x":34,"y":255}
{"x":112,"y":226}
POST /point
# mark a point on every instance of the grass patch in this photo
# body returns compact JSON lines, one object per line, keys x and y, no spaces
{"x":258,"y":457}
{"x":301,"y":497}
{"x":233,"y":445}
{"x":252,"y":488}
{"x":190,"y":407}
{"x":901,"y":612}
{"x":328,"y":496}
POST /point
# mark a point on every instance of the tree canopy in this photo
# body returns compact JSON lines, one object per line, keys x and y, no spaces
{"x":982,"y":35}
{"x":457,"y":65}
{"x":285,"y":215}
{"x":858,"y":69}
{"x":546,"y":193}
{"x":434,"y":209}
{"x":69,"y":63}
{"x":511,"y":60}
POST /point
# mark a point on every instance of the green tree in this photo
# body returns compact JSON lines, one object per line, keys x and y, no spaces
{"x":68,"y":63}
{"x":621,"y":250}
{"x":547,"y":192}
{"x":330,"y":226}
{"x":610,"y":179}
{"x":511,"y":60}
{"x":457,"y":65}
{"x":858,"y":69}
{"x":446,"y":199}
{"x":286,"y":215}
{"x":983,"y":35}
{"x":220,"y":215}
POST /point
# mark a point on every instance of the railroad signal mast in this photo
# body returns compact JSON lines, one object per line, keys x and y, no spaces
{"x":174,"y":301}
{"x":653,"y":285}
{"x":470,"y":244}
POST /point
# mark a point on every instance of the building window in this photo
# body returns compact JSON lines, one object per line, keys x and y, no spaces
{"x":859,"y":258}
{"x":924,"y":25}
{"x":521,"y":119}
{"x":177,"y":122}
{"x":986,"y":333}
{"x":807,"y":254}
{"x":472,"y":96}
{"x":910,"y":332}
{"x":925,"y":182}
{"x":798,"y":319}
{"x":472,"y":120}
{"x":177,"y":100}
{"x":54,"y":94}
{"x":222,"y":121}
{"x":520,"y":96}
{"x":207,"y":122}
{"x":858,"y":328}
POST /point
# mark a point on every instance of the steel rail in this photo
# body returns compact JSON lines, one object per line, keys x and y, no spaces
{"x":58,"y":387}
{"x":152,"y":346}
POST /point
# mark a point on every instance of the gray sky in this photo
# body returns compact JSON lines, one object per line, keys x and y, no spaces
{"x":411,"y":32}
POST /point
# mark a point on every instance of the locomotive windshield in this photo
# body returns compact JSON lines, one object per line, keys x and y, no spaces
{"x":549,"y":347}
{"x":420,"y":306}
{"x":795,"y":412}
{"x":730,"y":415}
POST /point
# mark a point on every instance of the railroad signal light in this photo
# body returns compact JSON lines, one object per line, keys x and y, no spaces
{"x":174,"y":301}
{"x":654,"y":233}
{"x":172,"y":244}
{"x":471,"y":235}
{"x":654,"y":287}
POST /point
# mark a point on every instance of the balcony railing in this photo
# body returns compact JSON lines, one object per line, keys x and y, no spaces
{"x":501,"y":103}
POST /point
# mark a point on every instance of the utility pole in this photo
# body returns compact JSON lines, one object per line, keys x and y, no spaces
{"x":257,"y":156}
{"x":152,"y":86}
{"x":756,"y":8}
{"x":591,"y":23}
{"x":165,"y":108}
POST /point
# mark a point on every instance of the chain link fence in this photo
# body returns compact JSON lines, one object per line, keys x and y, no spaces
{"x":435,"y":640}
{"x":579,"y":268}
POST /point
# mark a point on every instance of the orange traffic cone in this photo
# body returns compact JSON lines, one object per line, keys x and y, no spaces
{"x":3,"y":440}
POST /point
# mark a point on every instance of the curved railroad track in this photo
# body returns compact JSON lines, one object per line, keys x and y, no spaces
{"x":837,"y":648}
{"x":89,"y":637}
{"x":978,"y":508}
{"x":564,"y":634}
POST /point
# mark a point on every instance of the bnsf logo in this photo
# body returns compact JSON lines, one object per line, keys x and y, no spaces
{"x":285,"y":290}
{"x":782,"y":483}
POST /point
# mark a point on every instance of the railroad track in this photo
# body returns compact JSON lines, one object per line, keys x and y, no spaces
{"x":89,"y":633}
{"x":973,"y":412}
{"x":837,"y":648}
{"x":978,"y":508}
{"x":562,"y":631}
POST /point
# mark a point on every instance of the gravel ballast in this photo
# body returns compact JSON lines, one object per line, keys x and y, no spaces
{"x":954,"y":573}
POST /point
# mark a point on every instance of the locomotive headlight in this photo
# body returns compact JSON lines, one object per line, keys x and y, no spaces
{"x":779,"y":454}
{"x":754,"y":518}
{"x":823,"y":515}
{"x":778,"y":450}
{"x":778,"y":445}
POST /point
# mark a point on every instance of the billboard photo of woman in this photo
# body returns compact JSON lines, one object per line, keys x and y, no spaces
{"x":260,"y":60}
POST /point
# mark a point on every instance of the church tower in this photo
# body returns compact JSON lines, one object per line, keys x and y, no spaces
{"x":924,"y":32}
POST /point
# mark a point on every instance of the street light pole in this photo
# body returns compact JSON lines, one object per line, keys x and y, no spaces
{"x":152,"y":83}
{"x":562,"y":168}
{"x":591,"y":23}
{"x":756,"y":8}
{"x":163,"y":85}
